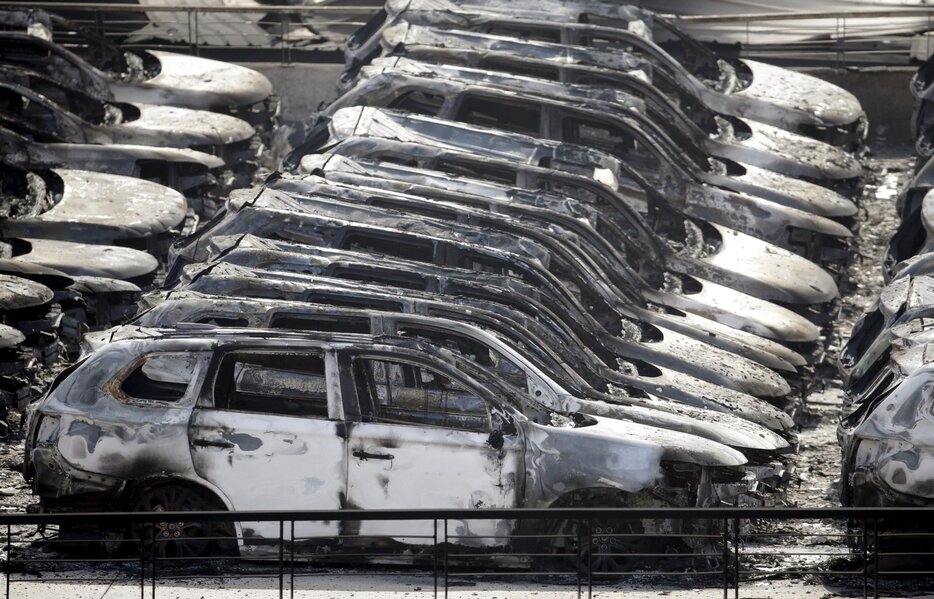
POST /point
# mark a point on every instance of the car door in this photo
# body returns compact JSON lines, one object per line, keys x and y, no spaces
{"x":267,"y":437}
{"x":424,"y":440}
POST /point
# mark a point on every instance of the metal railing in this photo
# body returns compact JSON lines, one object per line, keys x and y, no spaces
{"x":257,"y":33}
{"x":859,"y":552}
{"x":837,"y":39}
{"x":286,"y":33}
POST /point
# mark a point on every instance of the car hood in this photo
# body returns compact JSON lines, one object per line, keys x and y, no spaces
{"x":103,"y":208}
{"x":770,"y":272}
{"x":906,"y":414}
{"x":196,"y":82}
{"x":177,"y":127}
{"x":632,"y":453}
{"x":90,"y":259}
{"x":17,"y":292}
{"x":797,"y":99}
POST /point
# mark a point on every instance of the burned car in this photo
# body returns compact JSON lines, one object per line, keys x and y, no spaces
{"x":197,"y":175}
{"x":26,"y":108}
{"x":666,"y":166}
{"x":107,"y":72}
{"x":84,"y":259}
{"x":586,"y":174}
{"x":577,"y":242}
{"x":88,"y":207}
{"x":592,"y":301}
{"x":512,"y":310}
{"x":735,"y":86}
{"x":885,"y":434}
{"x":906,"y":299}
{"x":171,"y":421}
{"x":773,"y":158}
{"x":915,"y":211}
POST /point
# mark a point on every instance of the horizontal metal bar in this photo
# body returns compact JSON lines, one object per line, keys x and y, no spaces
{"x":415,"y":515}
{"x":793,"y":16}
{"x":54,"y":6}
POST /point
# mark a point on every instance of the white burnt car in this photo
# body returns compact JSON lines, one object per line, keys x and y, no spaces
{"x":241,"y":419}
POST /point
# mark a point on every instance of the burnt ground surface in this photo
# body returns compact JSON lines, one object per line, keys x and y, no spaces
{"x":773,"y":549}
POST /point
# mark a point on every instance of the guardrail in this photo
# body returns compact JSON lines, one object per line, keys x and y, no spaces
{"x":854,"y":551}
{"x":287,"y":33}
{"x":239,"y":33}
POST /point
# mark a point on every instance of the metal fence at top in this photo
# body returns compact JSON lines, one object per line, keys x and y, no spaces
{"x":296,"y":33}
{"x":246,"y":33}
{"x":728,"y":552}
{"x":890,"y":37}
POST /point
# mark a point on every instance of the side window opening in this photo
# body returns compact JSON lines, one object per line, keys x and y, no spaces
{"x":392,"y":278}
{"x":426,"y":210}
{"x":419,"y":102}
{"x":161,"y":377}
{"x":521,"y":67}
{"x":603,"y":136}
{"x":538,"y":34}
{"x":407,"y":249}
{"x":330,"y":324}
{"x":224,"y":321}
{"x":354,"y":302}
{"x":401,"y":393}
{"x":275,"y":383}
{"x":501,"y":114}
{"x":484,"y":172}
{"x":479,"y":353}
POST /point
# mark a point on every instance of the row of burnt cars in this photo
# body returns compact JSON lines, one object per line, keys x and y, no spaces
{"x":528,"y":257}
{"x":105,"y":157}
{"x":887,"y":420}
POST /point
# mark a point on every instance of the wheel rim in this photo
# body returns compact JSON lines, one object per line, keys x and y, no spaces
{"x":612,"y":553}
{"x":174,"y":538}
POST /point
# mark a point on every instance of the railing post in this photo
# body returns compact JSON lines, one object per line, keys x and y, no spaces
{"x":281,"y":557}
{"x":865,"y":544}
{"x":152,"y":556}
{"x":142,"y":561}
{"x":292,"y":558}
{"x":9,"y":552}
{"x":736,"y":558}
{"x":191,"y":47}
{"x":434,"y":557}
{"x":726,"y":558}
{"x":197,"y":36}
{"x":590,"y":558}
{"x":444,"y":549}
{"x":875,"y":551}
{"x":579,"y":565}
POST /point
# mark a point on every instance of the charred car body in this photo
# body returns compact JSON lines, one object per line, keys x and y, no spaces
{"x":204,"y":404}
{"x":739,"y":87}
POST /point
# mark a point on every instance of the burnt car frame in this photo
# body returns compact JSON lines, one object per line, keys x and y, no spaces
{"x":741,"y":87}
{"x":195,"y":174}
{"x":468,"y":326}
{"x":659,"y":160}
{"x":260,"y":268}
{"x":199,"y":402}
{"x":578,"y":241}
{"x":333,"y":223}
{"x":583,"y":173}
{"x":626,"y":241}
{"x":799,"y":166}
{"x":84,"y":206}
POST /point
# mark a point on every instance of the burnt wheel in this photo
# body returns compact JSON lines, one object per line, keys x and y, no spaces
{"x":172,"y":538}
{"x":609,"y":545}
